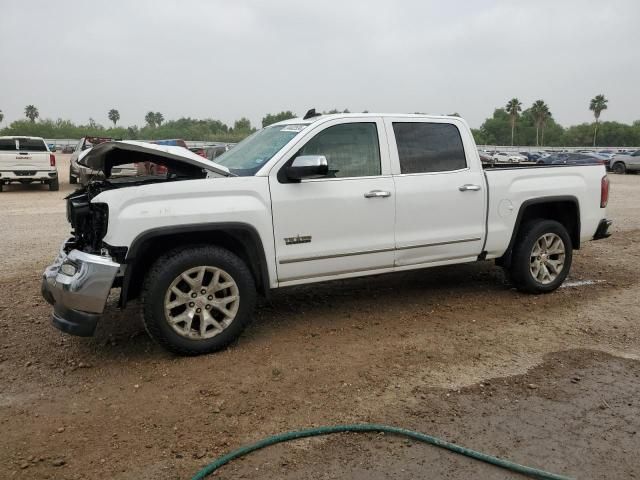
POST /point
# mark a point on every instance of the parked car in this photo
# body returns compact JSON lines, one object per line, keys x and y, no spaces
{"x":504,"y":157}
{"x":68,"y":149}
{"x":78,"y":173}
{"x":214,"y":151}
{"x":198,"y":151}
{"x":531,"y":156}
{"x":27,"y":160}
{"x":199,"y":247}
{"x":578,"y":159}
{"x":626,"y":163}
{"x":485,"y":157}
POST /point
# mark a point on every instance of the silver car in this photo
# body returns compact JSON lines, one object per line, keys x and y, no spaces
{"x":626,"y":163}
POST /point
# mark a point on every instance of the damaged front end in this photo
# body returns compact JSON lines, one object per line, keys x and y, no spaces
{"x":78,"y":282}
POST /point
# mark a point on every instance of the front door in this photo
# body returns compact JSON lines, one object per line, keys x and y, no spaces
{"x":343,"y":224}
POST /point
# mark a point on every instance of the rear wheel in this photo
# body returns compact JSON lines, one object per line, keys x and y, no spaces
{"x":198,"y":299}
{"x":619,"y":168}
{"x":54,"y":185}
{"x":541,"y":257}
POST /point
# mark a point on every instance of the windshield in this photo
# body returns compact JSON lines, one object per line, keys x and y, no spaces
{"x":246,"y":158}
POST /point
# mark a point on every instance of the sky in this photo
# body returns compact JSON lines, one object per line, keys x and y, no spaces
{"x":228,"y":59}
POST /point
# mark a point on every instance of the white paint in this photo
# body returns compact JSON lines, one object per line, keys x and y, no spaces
{"x":581,"y":283}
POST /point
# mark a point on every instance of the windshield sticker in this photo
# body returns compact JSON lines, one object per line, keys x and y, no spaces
{"x":293,"y":128}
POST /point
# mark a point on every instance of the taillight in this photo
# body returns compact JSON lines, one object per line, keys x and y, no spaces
{"x":604,"y":192}
{"x":52,"y":160}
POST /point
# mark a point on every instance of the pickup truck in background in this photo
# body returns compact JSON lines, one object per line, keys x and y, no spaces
{"x":306,"y":200}
{"x":623,"y":163}
{"x":27,"y":160}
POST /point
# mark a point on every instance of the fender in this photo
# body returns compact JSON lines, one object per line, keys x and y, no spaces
{"x":506,"y":258}
{"x":245,"y":235}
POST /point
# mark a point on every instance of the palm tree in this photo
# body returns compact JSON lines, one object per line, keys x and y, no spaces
{"x":159,"y":118}
{"x":114,"y":116}
{"x":513,"y":108}
{"x":150,"y":118}
{"x":597,"y":105}
{"x":31,"y":112}
{"x":540,"y":112}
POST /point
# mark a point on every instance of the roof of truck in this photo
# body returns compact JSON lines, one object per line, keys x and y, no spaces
{"x":22,"y":136}
{"x":328,"y":116}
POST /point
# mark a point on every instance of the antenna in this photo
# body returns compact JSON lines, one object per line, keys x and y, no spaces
{"x":310,"y":114}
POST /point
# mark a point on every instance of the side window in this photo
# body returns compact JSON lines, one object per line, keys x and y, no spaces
{"x":351,"y":149}
{"x":429,"y":147}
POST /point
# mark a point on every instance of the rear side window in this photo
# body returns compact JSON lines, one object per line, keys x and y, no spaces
{"x":32,"y":145}
{"x":351,"y":149}
{"x":429,"y":147}
{"x":7,"y":145}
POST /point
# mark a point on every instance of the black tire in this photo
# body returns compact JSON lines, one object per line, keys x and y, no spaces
{"x":166,"y":269}
{"x":1,"y":186}
{"x":54,"y":185}
{"x":72,"y":178}
{"x":520,"y":269}
{"x":619,"y":168}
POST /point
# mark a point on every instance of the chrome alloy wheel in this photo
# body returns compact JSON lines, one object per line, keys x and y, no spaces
{"x":547,"y":258}
{"x":201,"y":302}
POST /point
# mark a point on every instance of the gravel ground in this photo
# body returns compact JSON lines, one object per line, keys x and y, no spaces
{"x":550,"y":381}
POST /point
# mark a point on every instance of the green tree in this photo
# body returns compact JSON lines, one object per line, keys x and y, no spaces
{"x":114,"y":116}
{"x":242,"y":126}
{"x":150,"y":118}
{"x":540,"y":113}
{"x":1,"y":116}
{"x":597,"y":105}
{"x":271,"y":118}
{"x":31,"y":112}
{"x":158,"y":118}
{"x":513,"y":108}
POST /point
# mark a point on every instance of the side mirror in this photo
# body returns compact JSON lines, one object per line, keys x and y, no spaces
{"x":308,"y":166}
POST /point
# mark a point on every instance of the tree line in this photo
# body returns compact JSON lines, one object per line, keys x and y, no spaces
{"x":533,"y":126}
{"x":536,"y":126}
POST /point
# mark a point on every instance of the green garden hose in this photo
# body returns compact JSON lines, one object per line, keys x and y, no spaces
{"x":371,"y":427}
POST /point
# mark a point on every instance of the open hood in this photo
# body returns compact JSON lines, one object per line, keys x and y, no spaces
{"x":105,"y":156}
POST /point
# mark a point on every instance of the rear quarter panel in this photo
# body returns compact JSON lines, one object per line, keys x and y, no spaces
{"x":510,"y":188}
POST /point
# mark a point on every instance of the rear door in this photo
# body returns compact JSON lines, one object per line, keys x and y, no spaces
{"x":342,"y":224}
{"x":24,"y":154}
{"x":440,"y":198}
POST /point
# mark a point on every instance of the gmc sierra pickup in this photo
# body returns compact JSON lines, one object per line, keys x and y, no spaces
{"x":308,"y":200}
{"x":27,"y":160}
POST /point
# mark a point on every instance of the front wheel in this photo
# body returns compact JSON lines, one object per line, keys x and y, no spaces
{"x":541,"y":257}
{"x":198,"y":299}
{"x":619,"y":168}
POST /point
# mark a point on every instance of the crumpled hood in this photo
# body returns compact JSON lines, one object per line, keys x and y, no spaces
{"x":106,"y":155}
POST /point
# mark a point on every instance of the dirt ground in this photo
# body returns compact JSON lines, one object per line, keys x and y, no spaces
{"x":548,"y":381}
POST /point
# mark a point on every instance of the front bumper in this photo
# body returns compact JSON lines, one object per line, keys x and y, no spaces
{"x":77,"y":284}
{"x":603,"y":229}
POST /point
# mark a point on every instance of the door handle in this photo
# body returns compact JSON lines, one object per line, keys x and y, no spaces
{"x":468,"y":187}
{"x":377,"y":194}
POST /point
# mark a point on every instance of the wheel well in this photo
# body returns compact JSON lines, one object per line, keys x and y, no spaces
{"x":564,"y":211}
{"x":242,"y":241}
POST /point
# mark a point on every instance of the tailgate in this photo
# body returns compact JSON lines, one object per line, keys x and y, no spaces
{"x":24,"y":154}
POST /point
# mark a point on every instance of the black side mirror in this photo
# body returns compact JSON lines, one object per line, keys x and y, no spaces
{"x":307,"y":166}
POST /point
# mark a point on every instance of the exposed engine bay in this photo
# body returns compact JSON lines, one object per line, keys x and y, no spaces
{"x":89,"y":220}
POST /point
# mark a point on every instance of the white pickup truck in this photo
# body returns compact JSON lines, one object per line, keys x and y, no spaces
{"x":27,"y":160}
{"x":308,"y":200}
